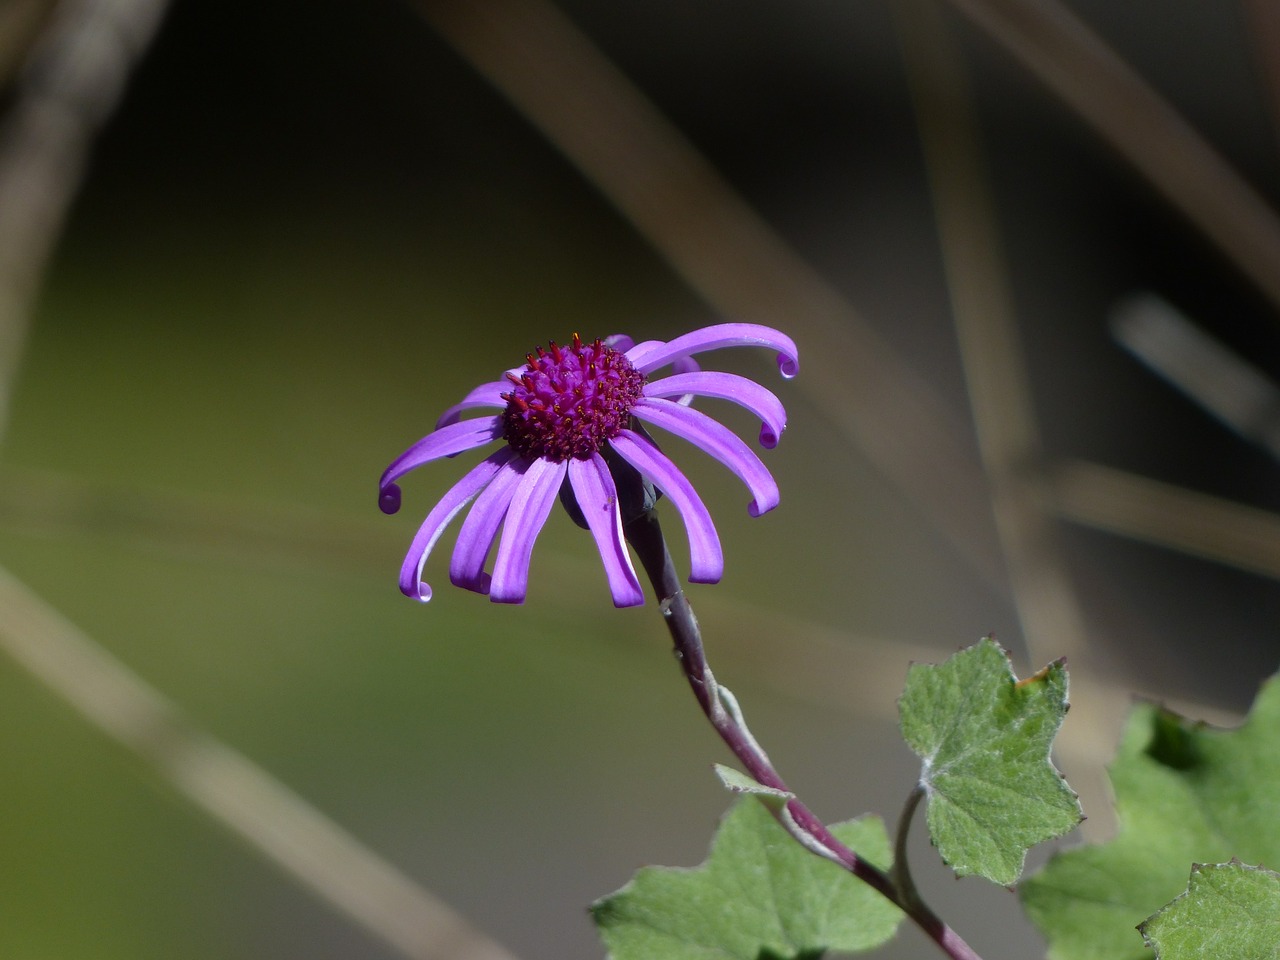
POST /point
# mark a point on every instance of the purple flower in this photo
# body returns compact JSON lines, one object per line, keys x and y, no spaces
{"x":558,"y":415}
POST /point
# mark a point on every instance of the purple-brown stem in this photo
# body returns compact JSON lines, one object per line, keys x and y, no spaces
{"x":645,"y":536}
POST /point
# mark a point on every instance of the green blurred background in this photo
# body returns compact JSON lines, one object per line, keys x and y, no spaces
{"x":311,"y":226}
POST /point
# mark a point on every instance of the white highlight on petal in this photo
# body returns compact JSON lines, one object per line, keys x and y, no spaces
{"x":597,"y":497}
{"x":706,"y":558}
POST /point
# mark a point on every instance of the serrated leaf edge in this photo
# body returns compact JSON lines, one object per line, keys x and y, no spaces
{"x":1195,"y":869}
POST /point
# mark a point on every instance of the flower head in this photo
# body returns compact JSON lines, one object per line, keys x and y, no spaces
{"x":561,"y":415}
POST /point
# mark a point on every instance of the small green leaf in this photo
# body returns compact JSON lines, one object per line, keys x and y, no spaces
{"x":984,"y":737}
{"x":1231,"y":911}
{"x":737,"y":782}
{"x":1185,"y":793}
{"x":758,"y":896}
{"x":777,"y":802}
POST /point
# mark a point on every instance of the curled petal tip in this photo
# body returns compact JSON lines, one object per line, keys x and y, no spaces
{"x":789,"y":367}
{"x":421,"y":592}
{"x":768,"y":439}
{"x":389,"y":498}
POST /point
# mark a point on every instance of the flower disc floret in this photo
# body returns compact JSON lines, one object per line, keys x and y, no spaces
{"x":569,"y":401}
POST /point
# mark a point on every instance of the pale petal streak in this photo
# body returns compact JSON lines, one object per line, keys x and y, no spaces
{"x":597,"y":497}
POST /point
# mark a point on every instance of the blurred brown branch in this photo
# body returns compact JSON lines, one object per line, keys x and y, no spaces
{"x":1155,"y":512}
{"x":70,"y":84}
{"x":275,"y":822}
{"x":1223,"y":384}
{"x":1127,"y":112}
{"x":20,"y":22}
{"x":987,"y":331}
{"x":860,"y":673}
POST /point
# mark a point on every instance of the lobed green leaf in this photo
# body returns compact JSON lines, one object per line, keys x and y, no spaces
{"x":984,"y":737}
{"x":1185,"y":793}
{"x":758,"y":896}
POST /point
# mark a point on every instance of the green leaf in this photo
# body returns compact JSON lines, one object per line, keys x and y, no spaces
{"x":737,"y":782}
{"x":1231,"y":911}
{"x":1185,"y":793}
{"x":984,"y":737}
{"x":758,"y":896}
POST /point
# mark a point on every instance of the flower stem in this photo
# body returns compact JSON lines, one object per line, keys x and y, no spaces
{"x":901,"y":872}
{"x":645,"y":536}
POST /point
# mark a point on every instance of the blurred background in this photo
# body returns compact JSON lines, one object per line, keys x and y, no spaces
{"x":299,"y":230}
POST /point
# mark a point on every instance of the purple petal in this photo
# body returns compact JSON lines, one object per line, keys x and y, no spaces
{"x":444,"y":442}
{"x":685,"y":365}
{"x":480,"y":528}
{"x":485,"y":395}
{"x":706,"y":559}
{"x":644,"y":346}
{"x":728,"y":386}
{"x":597,"y":497}
{"x":717,"y":440}
{"x":619,"y":341}
{"x":649,"y":356}
{"x":534,"y":497}
{"x":459,"y":494}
